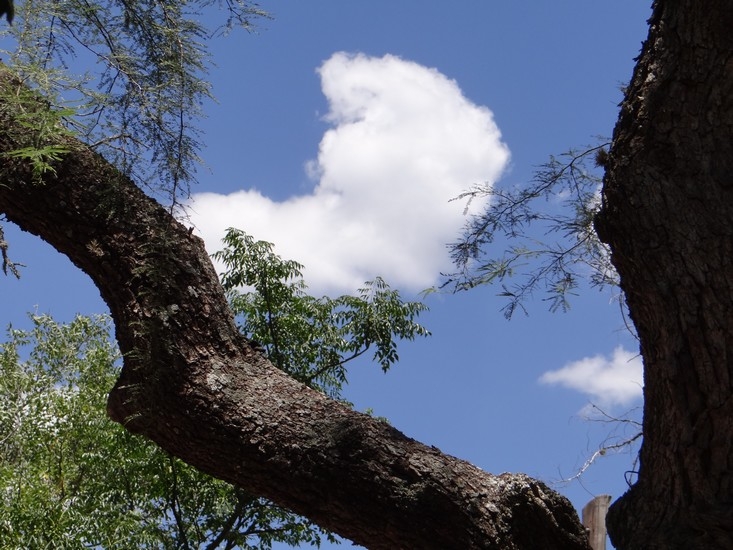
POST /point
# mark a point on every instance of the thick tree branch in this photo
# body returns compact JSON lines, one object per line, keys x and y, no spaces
{"x":193,"y":385}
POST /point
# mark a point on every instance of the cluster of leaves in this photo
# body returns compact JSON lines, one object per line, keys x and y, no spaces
{"x":141,"y":105}
{"x":541,"y":235}
{"x":38,"y":131}
{"x":70,"y":477}
{"x":311,"y":338}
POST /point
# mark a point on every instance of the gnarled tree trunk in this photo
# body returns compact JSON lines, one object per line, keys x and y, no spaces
{"x":668,"y":217}
{"x":194,"y":386}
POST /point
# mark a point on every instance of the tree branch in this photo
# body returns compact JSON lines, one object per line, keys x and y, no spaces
{"x":192,"y":384}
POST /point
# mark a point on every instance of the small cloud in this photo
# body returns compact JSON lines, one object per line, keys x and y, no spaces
{"x":403,"y":142}
{"x":617,"y":380}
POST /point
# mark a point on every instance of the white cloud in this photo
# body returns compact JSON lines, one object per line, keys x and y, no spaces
{"x":608,"y":381}
{"x":403,"y":141}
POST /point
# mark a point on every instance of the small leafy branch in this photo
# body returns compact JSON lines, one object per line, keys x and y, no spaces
{"x":41,"y":158}
{"x":42,"y":130}
{"x":312,"y":338}
{"x":541,"y":234}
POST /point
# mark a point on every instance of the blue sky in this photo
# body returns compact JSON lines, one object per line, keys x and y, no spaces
{"x":342,"y":129}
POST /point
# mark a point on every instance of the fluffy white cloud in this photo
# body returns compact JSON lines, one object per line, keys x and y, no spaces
{"x":608,"y":381}
{"x":403,"y":141}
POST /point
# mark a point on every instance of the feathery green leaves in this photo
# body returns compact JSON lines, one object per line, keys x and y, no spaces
{"x":541,"y":235}
{"x":129,"y":75}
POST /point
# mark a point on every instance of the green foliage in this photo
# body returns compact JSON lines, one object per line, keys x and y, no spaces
{"x":310,"y":338}
{"x":38,"y":130}
{"x":541,"y":234}
{"x":129,"y":77}
{"x":40,"y":157}
{"x":71,"y":478}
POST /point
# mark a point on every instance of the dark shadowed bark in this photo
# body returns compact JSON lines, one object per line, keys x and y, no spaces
{"x":194,"y":386}
{"x":668,"y":217}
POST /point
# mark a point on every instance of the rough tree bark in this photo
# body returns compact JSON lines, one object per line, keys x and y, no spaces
{"x":668,"y":217}
{"x":194,"y":386}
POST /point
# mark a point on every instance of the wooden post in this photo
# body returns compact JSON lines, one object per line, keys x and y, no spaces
{"x":594,"y":520}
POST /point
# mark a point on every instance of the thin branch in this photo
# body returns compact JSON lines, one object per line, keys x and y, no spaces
{"x":326,"y":368}
{"x":8,"y":265}
{"x":602,"y":451}
{"x":174,"y":503}
{"x":607,"y":447}
{"x":228,"y":526}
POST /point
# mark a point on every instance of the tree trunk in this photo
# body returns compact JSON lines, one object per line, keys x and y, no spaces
{"x":195,"y":387}
{"x":668,"y":216}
